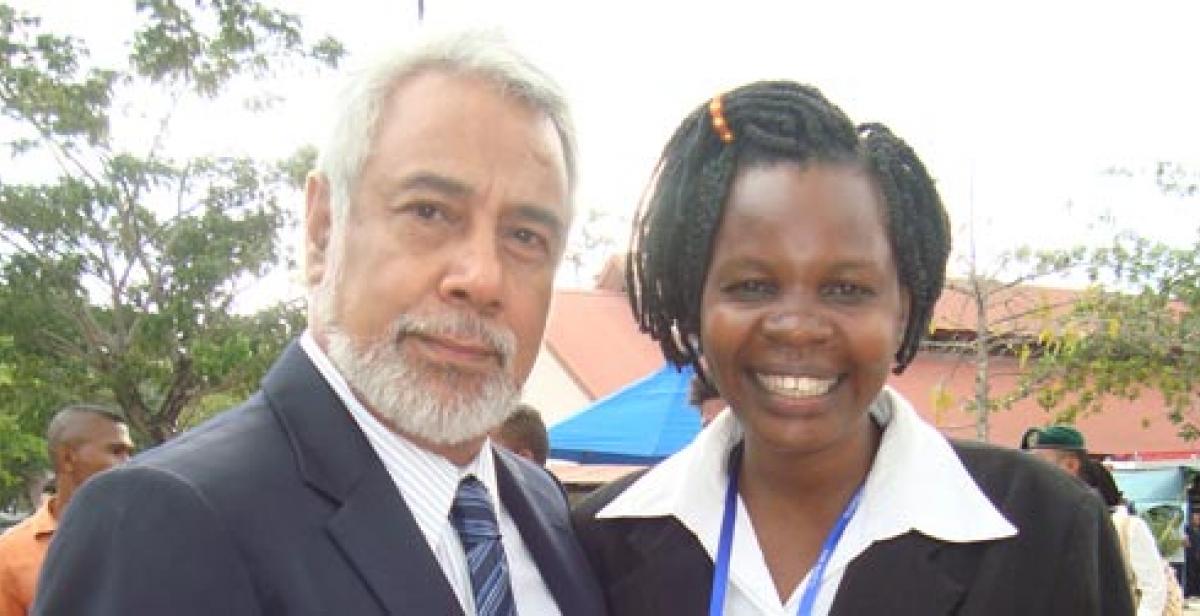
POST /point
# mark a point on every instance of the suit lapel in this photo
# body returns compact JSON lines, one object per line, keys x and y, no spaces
{"x":911,"y":574}
{"x":372,"y":525}
{"x":397,"y":564}
{"x":539,"y":511}
{"x":669,"y":556}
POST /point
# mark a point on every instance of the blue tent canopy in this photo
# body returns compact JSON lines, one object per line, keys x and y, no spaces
{"x":1152,"y":485}
{"x":640,"y":424}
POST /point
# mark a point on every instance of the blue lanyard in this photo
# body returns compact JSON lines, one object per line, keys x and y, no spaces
{"x":716,"y":604}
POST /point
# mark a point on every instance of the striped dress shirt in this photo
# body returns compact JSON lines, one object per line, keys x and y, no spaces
{"x":428,"y":482}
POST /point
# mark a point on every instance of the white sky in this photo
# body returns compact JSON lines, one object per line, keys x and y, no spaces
{"x":1015,"y":107}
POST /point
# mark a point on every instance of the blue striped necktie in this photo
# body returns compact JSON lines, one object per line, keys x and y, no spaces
{"x":475,"y":522}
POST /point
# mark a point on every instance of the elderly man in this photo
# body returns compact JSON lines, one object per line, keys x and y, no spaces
{"x":360,"y":479}
{"x":82,"y":440}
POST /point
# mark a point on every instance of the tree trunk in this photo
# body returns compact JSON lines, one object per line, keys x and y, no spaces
{"x":982,"y":359}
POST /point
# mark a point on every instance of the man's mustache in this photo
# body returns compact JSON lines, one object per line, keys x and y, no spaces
{"x":460,"y":326}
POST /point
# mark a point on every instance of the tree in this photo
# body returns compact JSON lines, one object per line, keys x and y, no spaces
{"x":591,"y":244}
{"x":1137,"y":328}
{"x":1138,"y":333}
{"x":1131,"y":332}
{"x":1003,"y":317}
{"x":118,"y":276}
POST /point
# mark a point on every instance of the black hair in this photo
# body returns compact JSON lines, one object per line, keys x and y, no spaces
{"x":1097,"y":476}
{"x":772,"y":121}
{"x":700,"y":391}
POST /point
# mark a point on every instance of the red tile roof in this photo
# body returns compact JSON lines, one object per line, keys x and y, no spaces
{"x":1020,"y":308}
{"x":594,"y":336}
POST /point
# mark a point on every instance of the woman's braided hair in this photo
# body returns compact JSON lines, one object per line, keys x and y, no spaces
{"x":771,"y":121}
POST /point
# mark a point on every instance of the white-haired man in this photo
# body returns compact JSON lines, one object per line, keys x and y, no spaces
{"x":360,"y":479}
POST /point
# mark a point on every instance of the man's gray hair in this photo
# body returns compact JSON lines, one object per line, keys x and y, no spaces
{"x":484,"y":54}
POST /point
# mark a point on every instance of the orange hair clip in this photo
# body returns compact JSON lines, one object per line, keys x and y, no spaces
{"x":716,"y":109}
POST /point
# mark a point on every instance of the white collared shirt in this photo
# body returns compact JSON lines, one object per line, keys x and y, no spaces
{"x":428,"y":483}
{"x":917,"y":482}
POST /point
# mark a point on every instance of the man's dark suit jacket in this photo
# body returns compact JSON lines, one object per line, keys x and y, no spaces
{"x":1064,"y":561}
{"x":280,"y":506}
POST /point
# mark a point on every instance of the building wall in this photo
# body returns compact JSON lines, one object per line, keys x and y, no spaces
{"x":1138,"y":426}
{"x":551,"y":390}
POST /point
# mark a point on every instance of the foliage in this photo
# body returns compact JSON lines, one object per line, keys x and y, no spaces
{"x":118,"y":276}
{"x":1166,"y":524}
{"x":1139,"y":333}
{"x":1002,"y":314}
{"x":591,"y":244}
{"x":23,"y":455}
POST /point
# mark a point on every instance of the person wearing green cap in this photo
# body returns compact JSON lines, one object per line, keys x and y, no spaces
{"x":1064,"y":447}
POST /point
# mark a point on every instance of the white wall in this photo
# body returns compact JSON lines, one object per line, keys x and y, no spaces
{"x":551,"y":390}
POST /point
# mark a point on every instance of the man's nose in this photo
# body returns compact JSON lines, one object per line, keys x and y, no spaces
{"x":475,"y":274}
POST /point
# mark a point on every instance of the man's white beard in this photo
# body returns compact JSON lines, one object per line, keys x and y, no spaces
{"x":436,"y":402}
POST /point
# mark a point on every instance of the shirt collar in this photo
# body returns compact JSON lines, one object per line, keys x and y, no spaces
{"x":428,"y":481}
{"x":917,"y":482}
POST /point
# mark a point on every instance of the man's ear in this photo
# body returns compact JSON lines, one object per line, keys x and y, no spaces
{"x":65,"y":457}
{"x":317,"y":226}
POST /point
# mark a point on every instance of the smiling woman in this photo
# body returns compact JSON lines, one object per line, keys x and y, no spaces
{"x":793,"y":260}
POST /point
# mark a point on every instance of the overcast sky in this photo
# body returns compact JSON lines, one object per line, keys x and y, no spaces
{"x":1016,"y":107}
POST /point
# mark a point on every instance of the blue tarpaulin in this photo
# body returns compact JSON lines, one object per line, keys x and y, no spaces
{"x":640,"y":424}
{"x":1157,"y":493}
{"x":1155,"y":485}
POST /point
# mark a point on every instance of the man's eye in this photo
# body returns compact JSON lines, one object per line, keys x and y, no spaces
{"x":427,"y":211}
{"x":530,"y":243}
{"x":530,"y":237}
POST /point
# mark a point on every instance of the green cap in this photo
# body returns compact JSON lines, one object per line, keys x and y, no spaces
{"x":1058,"y":437}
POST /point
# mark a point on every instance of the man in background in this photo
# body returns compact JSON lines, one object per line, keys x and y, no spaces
{"x":1064,"y":447}
{"x":524,"y":433}
{"x":82,"y":440}
{"x":1192,"y":562}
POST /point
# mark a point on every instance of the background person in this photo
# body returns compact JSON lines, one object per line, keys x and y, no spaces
{"x":1192,"y":537}
{"x":360,"y":479}
{"x":794,"y":259}
{"x":81,"y":440}
{"x":524,"y":433}
{"x":1064,"y":446}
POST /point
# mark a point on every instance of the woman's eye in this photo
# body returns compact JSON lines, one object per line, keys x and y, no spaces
{"x":750,"y":289}
{"x":848,"y":291}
